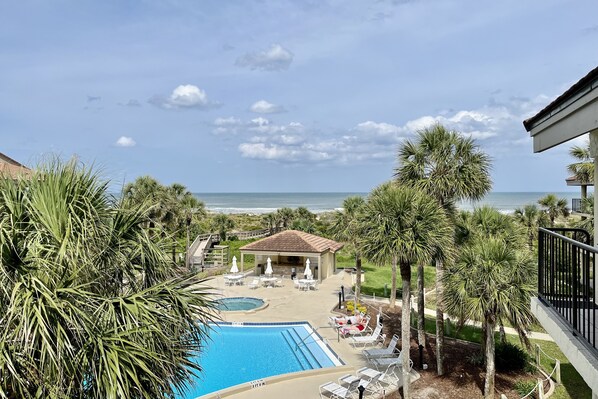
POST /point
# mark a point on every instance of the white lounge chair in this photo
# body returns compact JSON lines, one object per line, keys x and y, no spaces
{"x":387,"y":361}
{"x":387,"y":378}
{"x":350,"y":382}
{"x":254,"y":284}
{"x":368,"y":380}
{"x":335,"y":391}
{"x":389,"y":351}
{"x":374,"y":338}
{"x":361,"y":328}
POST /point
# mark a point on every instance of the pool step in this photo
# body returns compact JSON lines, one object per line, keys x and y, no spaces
{"x":299,"y":355}
{"x":301,"y":350}
{"x":302,"y":344}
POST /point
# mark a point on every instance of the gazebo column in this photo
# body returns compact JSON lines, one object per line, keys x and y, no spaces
{"x":242,"y":259}
{"x":319,"y":268}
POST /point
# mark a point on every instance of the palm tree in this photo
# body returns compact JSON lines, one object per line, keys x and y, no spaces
{"x":450,"y":168}
{"x":554,"y":207}
{"x":404,"y":226}
{"x":223,"y":223}
{"x":91,"y":305}
{"x":304,"y":213}
{"x":587,"y":206}
{"x":269,"y":220}
{"x":493,"y":280}
{"x":531,"y":218}
{"x":344,"y":227}
{"x":583,"y":169}
{"x":285,"y":217}
{"x":181,"y":210}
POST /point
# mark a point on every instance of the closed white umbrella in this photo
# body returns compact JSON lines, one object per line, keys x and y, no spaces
{"x":234,"y":269}
{"x":307,"y":271}
{"x":269,"y":266}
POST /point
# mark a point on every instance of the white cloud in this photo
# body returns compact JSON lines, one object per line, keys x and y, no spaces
{"x":264,"y":107}
{"x":383,"y":133}
{"x":275,"y":58}
{"x":184,"y":97}
{"x":275,"y":152}
{"x":230,"y":121}
{"x":496,"y":127}
{"x":125,"y":141}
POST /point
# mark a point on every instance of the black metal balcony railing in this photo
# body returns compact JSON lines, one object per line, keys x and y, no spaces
{"x":567,"y":279}
{"x":576,"y":205}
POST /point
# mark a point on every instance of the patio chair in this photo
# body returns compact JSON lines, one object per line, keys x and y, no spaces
{"x":349,"y":381}
{"x":254,"y":284}
{"x":240,"y":281}
{"x":389,"y":351}
{"x":374,"y":338}
{"x":333,"y":390}
{"x":368,"y":380}
{"x":388,"y":378}
{"x":278,"y":283}
{"x":387,"y":361}
{"x":228,"y":281}
{"x":299,"y":285}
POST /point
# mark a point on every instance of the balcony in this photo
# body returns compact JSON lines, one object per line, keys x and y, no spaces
{"x":566,"y":303}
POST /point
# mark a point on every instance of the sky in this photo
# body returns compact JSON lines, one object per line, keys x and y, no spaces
{"x":285,"y":96}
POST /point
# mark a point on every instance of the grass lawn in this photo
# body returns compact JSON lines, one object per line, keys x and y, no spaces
{"x":377,"y":276}
{"x":233,"y":247}
{"x":573,"y":387}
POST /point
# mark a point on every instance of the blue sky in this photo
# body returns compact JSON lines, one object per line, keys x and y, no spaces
{"x":236,"y":96}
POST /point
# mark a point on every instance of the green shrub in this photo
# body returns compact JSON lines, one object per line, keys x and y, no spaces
{"x":510,"y":357}
{"x":523,"y":387}
{"x":351,"y":308}
{"x":476,"y":359}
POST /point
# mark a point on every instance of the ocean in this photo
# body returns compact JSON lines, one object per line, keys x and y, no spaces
{"x":260,"y":203}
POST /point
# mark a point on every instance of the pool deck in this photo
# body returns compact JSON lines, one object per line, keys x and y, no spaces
{"x":289,"y":304}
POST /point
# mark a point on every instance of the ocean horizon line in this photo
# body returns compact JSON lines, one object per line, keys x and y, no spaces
{"x":361,"y":192}
{"x":321,"y":202}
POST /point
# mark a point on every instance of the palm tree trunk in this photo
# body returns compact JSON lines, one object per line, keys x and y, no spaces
{"x":357,"y":278}
{"x":174,"y":250}
{"x":393,"y":291}
{"x":483,"y":341}
{"x":490,"y":364}
{"x":421,"y":331}
{"x":406,"y":326}
{"x":439,"y":318}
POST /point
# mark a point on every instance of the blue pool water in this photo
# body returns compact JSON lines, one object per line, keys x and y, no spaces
{"x":238,"y":304}
{"x":238,"y":354}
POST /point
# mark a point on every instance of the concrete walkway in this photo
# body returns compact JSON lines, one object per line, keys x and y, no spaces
{"x":289,"y":304}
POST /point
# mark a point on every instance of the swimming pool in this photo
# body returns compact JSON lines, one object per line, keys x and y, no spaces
{"x":240,"y":353}
{"x":235,"y":304}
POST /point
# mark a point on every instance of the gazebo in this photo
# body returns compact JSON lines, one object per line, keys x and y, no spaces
{"x":290,"y":249}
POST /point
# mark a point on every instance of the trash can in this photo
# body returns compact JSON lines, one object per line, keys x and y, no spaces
{"x":293,"y":273}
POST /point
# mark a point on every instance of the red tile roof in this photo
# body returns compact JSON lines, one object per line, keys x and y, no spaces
{"x":293,"y":241}
{"x":12,"y":169}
